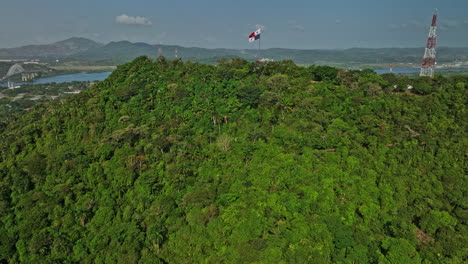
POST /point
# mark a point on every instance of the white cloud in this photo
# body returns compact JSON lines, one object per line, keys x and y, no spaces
{"x":130,"y":20}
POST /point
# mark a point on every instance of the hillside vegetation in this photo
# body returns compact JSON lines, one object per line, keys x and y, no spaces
{"x":172,"y":162}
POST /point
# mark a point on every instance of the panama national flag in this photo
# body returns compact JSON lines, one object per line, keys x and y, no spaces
{"x":254,"y":36}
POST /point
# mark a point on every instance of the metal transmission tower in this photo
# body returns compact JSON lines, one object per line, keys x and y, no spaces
{"x":429,"y":59}
{"x":159,"y":50}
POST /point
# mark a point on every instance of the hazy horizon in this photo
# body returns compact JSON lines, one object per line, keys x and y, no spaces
{"x":298,"y":24}
{"x":250,"y":48}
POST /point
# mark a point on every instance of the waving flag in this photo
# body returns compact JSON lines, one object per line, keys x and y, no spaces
{"x":254,"y":36}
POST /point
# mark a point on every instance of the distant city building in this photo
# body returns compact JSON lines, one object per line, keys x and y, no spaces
{"x":266,"y":60}
{"x":73,"y":92}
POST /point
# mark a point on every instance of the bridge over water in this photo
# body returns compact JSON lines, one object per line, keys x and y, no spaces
{"x":18,"y":69}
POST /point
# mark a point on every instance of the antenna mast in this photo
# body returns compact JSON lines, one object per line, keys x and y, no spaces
{"x":159,"y":50}
{"x":429,"y":59}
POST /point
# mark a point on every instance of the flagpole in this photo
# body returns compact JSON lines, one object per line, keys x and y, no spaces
{"x":258,"y":53}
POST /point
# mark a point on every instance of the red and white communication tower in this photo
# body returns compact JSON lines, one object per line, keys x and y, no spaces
{"x":429,"y":59}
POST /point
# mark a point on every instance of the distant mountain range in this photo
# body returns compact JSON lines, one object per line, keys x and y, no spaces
{"x":55,"y":50}
{"x":113,"y":53}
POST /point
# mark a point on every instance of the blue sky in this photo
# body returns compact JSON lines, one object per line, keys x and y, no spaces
{"x":226,"y":24}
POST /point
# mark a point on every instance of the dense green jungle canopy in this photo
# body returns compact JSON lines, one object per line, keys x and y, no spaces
{"x":173,"y":162}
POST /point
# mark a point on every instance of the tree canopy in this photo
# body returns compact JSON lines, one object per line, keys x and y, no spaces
{"x":173,"y":162}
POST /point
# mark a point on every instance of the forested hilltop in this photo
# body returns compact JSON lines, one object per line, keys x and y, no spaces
{"x":173,"y":162}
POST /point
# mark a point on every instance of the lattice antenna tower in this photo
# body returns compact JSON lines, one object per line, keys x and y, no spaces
{"x":429,"y":59}
{"x":159,"y":50}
